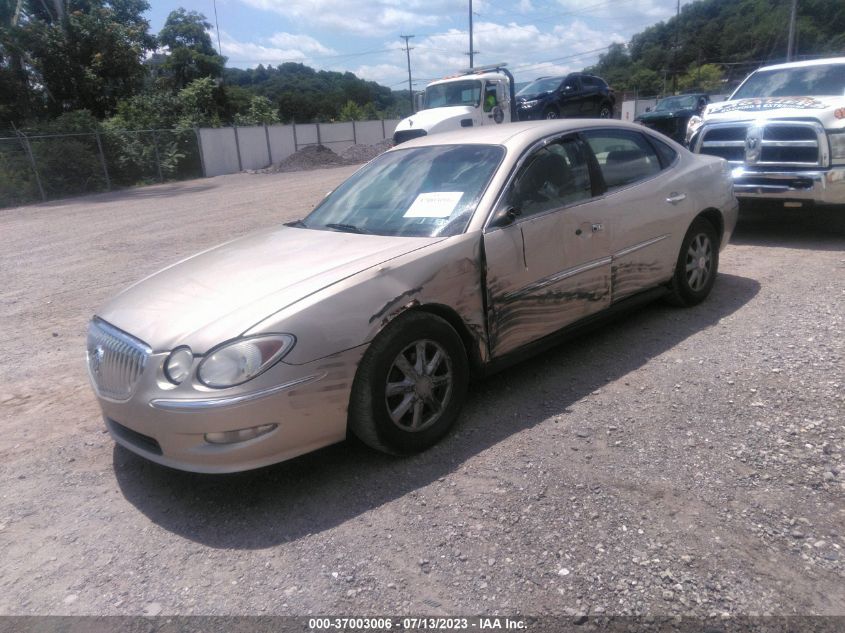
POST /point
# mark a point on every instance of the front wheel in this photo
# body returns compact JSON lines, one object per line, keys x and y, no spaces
{"x":550,"y":113}
{"x":697,"y":265}
{"x":410,"y":386}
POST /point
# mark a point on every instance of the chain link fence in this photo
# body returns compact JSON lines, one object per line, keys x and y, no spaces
{"x":39,"y":167}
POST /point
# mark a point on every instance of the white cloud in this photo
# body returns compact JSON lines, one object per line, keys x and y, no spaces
{"x":278,"y":48}
{"x":359,"y":17}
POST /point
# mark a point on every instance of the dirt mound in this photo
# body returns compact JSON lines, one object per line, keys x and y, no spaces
{"x":364,"y":153}
{"x":310,"y":157}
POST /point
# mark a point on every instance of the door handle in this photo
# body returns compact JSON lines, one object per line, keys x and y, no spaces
{"x":675,"y":198}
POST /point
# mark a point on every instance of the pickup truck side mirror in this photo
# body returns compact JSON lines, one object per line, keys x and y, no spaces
{"x":648,"y":109}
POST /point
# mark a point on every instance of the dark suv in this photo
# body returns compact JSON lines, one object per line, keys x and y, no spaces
{"x":575,"y":95}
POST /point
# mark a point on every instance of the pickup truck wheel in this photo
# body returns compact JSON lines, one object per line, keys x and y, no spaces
{"x":697,"y":265}
{"x":410,"y":386}
{"x":605,"y":111}
{"x":551,"y":113}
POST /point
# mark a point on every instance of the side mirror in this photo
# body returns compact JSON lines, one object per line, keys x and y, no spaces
{"x":648,"y":109}
{"x":505,"y":216}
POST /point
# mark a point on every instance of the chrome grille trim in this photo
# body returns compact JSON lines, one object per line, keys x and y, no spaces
{"x":761,"y":138}
{"x":115,"y":360}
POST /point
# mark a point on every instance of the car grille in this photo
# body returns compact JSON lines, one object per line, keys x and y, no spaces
{"x":797,"y":144}
{"x":115,"y":360}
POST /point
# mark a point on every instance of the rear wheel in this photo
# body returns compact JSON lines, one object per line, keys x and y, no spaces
{"x":697,"y":265}
{"x":410,"y":386}
{"x":605,"y":111}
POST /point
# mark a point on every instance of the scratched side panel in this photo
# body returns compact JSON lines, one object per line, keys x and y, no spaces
{"x":545,"y":273}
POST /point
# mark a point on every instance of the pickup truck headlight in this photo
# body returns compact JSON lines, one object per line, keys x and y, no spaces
{"x":837,"y":147}
{"x":238,"y":361}
{"x":693,"y":125}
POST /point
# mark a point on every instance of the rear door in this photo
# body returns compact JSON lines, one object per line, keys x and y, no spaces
{"x":646,"y":209}
{"x":550,"y":266}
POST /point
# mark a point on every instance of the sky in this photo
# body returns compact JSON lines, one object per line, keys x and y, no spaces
{"x":534,"y":37}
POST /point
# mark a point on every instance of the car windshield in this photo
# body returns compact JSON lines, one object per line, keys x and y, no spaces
{"x":540,"y":86}
{"x":827,"y":80}
{"x":414,"y":192}
{"x":454,"y":93}
{"x":676,"y":103}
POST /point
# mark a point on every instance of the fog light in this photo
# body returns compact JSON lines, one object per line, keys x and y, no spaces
{"x":233,"y":437}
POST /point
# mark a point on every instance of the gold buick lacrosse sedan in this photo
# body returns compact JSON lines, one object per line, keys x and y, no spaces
{"x":440,"y":260}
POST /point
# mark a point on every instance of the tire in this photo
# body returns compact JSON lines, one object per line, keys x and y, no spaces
{"x":697,"y":265}
{"x":400,"y":405}
{"x":605,"y":111}
{"x":551,"y":113}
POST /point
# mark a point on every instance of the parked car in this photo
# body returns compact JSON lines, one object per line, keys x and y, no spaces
{"x":672,"y":114}
{"x":444,"y":258}
{"x":575,"y":95}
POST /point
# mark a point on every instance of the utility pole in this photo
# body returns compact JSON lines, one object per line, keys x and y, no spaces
{"x":790,"y":47}
{"x":410,"y":84}
{"x":675,"y":49}
{"x":470,"y":35}
{"x":217,"y":28}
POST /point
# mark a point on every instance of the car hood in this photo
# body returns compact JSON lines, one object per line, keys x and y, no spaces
{"x":220,"y":293}
{"x":433,"y":119}
{"x":828,"y":110}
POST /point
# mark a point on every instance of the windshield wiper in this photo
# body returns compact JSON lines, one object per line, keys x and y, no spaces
{"x":348,"y":228}
{"x":298,"y":223}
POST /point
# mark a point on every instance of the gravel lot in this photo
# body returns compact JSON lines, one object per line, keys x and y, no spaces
{"x":677,"y":461}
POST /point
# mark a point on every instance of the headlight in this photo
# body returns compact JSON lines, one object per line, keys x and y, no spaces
{"x":692,"y":127}
{"x":529,"y":104}
{"x":837,"y":146}
{"x":235,"y":362}
{"x":177,"y":367}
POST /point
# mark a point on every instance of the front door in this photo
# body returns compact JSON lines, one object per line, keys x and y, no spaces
{"x":548,"y":259}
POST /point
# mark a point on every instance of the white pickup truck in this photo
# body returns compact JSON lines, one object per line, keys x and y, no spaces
{"x":783,"y":132}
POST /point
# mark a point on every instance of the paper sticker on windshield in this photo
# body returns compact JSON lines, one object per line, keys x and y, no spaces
{"x":434,"y":204}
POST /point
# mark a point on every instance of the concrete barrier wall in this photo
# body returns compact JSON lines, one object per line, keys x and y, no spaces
{"x":219,"y":152}
{"x":252,"y":143}
{"x":259,"y":146}
{"x":281,"y":142}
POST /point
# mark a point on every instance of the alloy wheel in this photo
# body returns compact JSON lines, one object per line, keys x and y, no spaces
{"x":699,"y":265}
{"x":419,"y":385}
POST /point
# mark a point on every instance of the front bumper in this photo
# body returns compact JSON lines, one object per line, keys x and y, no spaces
{"x":307,"y":403}
{"x":822,"y":186}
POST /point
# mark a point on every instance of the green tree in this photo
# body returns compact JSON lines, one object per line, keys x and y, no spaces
{"x":190,"y":52}
{"x":704,"y":78}
{"x":76,"y":54}
{"x":350,"y":111}
{"x":260,"y":112}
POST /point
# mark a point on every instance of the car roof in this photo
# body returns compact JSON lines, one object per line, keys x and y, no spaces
{"x":515,"y":136}
{"x":804,"y":64}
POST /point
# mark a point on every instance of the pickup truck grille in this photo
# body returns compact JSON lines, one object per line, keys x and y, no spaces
{"x":797,"y":144}
{"x":115,"y":360}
